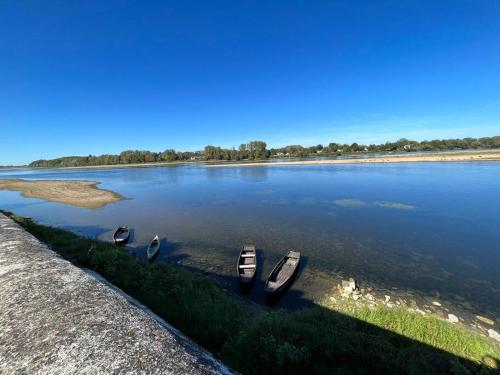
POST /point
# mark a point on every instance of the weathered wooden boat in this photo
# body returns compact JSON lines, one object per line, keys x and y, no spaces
{"x":153,"y":248}
{"x":247,"y":264}
{"x":121,"y":235}
{"x":282,"y":274}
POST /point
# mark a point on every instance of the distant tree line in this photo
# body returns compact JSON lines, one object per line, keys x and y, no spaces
{"x":125,"y":157}
{"x":257,"y":150}
{"x":402,"y":145}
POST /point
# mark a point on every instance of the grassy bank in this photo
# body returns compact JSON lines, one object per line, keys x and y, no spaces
{"x":318,"y":340}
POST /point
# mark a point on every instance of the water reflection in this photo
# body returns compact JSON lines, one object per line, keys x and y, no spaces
{"x":430,"y":228}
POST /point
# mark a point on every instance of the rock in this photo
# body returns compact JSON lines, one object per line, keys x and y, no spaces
{"x":452,"y":318}
{"x":387,"y":298}
{"x":348,"y":286}
{"x":494,"y":334}
{"x":390,"y":305}
{"x":369,"y":297}
{"x":356,"y":296}
{"x":420,"y":311}
{"x":485,"y":320}
{"x":351,"y":283}
{"x":333,"y":299}
{"x":436,"y":303}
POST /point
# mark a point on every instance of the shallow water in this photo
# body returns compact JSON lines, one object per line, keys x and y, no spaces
{"x":432,"y":228}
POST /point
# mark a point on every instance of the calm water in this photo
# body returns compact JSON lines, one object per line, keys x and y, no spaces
{"x":430,"y":228}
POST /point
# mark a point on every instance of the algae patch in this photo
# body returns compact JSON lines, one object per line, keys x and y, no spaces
{"x":393,"y":205}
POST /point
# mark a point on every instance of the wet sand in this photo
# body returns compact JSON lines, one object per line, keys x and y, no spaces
{"x":84,"y":194}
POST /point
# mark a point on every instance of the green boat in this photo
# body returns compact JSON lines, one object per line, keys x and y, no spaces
{"x":153,"y":248}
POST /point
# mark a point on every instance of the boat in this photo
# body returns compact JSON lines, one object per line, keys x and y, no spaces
{"x":247,"y":264}
{"x":282,"y":274}
{"x":153,"y":248}
{"x":121,"y":235}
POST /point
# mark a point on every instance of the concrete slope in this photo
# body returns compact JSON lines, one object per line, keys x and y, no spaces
{"x":55,"y":318}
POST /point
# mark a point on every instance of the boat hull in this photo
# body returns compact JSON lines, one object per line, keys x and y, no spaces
{"x":153,"y":249}
{"x":283,"y":273}
{"x":246,"y":267}
{"x":121,"y":235}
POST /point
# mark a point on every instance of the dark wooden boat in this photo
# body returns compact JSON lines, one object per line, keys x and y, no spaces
{"x":282,"y":274}
{"x":247,"y":264}
{"x":153,"y":248}
{"x":121,"y":235}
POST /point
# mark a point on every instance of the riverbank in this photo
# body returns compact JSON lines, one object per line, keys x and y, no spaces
{"x":451,"y":157}
{"x":381,"y":339}
{"x":358,"y":158}
{"x":56,"y":318}
{"x":84,"y":194}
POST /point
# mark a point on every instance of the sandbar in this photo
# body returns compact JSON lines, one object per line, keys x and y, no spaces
{"x":84,"y":194}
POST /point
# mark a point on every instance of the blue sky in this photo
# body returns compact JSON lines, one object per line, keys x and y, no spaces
{"x":80,"y":77}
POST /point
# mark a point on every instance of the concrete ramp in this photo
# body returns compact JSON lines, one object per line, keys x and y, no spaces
{"x":58,"y":319}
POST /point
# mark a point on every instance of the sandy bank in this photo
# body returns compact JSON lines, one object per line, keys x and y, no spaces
{"x":76,"y":193}
{"x":452,"y":157}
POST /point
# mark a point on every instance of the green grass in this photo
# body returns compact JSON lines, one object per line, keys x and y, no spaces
{"x":314,"y":341}
{"x":318,"y":341}
{"x":429,"y":330}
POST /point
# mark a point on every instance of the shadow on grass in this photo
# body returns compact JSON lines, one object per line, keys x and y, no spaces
{"x":315,"y":340}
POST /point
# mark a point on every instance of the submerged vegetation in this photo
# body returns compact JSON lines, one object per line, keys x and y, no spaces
{"x":316,"y":340}
{"x":257,"y":150}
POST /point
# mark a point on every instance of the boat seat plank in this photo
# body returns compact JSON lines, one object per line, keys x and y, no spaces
{"x":247,"y":255}
{"x":247,"y":266}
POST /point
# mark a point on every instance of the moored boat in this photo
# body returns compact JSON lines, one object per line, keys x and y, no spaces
{"x":247,"y":264}
{"x":153,"y":248}
{"x":282,"y":274}
{"x":121,"y":235}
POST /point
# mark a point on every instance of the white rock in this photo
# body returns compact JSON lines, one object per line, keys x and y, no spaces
{"x":420,"y":311}
{"x":349,"y":286}
{"x":494,"y":334}
{"x":485,"y":320}
{"x":452,"y":318}
{"x":387,"y":298}
{"x":369,"y":297}
{"x":356,"y":296}
{"x":435,"y":303}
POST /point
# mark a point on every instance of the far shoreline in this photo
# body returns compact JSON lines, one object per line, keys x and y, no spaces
{"x":445,"y":156}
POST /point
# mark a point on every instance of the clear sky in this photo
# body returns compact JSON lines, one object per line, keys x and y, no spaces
{"x":96,"y":76}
